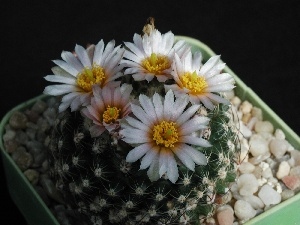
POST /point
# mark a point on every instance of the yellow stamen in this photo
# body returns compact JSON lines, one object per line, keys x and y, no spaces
{"x":111,"y":114}
{"x":195,"y":83}
{"x":165,"y":134}
{"x":156,"y":64}
{"x":90,"y":76}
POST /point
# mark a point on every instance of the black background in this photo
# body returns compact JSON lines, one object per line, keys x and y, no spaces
{"x":259,"y":40}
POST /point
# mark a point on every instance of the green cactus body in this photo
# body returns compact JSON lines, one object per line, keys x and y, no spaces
{"x":96,"y":180}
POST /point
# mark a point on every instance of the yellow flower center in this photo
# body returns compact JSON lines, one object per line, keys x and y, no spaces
{"x":111,"y":114}
{"x":88,"y":77}
{"x":195,"y":83}
{"x":156,"y":64}
{"x":165,"y":134}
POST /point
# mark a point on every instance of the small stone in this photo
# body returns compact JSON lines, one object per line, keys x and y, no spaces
{"x":21,"y":137}
{"x":254,"y":201}
{"x":32,"y":115}
{"x":32,"y":176}
{"x":279,"y":134}
{"x":295,"y":155}
{"x":269,"y":196}
{"x":18,"y":120}
{"x":264,"y":126}
{"x":43,"y":125}
{"x":225,"y":215}
{"x":244,"y":153}
{"x":11,"y":146}
{"x":257,"y":112}
{"x":257,"y":172}
{"x":292,"y":182}
{"x":252,"y":122}
{"x":236,"y":101}
{"x":39,"y":106}
{"x":243,"y":210}
{"x":245,"y":131}
{"x":286,"y":194}
{"x":50,"y":115}
{"x":50,"y":188}
{"x":246,"y":117}
{"x":258,"y":145}
{"x":283,"y":170}
{"x":258,"y":159}
{"x":246,"y":107}
{"x":295,"y":171}
{"x":272,"y":163}
{"x":267,"y":173}
{"x":278,"y":147}
{"x":246,"y":167}
{"x":9,"y":135}
{"x":30,"y":133}
{"x":247,"y":184}
{"x":22,"y":158}
{"x":272,"y":181}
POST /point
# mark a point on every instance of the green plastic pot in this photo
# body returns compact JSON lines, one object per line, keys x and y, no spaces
{"x":36,"y":212}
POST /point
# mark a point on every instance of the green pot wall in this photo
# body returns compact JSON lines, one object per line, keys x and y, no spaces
{"x":36,"y":212}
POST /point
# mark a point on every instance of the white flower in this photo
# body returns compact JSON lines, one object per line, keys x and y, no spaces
{"x":108,"y":106}
{"x":203,"y":83}
{"x":151,"y":55}
{"x":161,"y":130}
{"x":78,"y":72}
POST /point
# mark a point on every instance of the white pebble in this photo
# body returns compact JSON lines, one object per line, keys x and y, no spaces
{"x":246,"y":167}
{"x":258,"y":159}
{"x":264,"y":126}
{"x":252,"y":122}
{"x":246,"y":107}
{"x":257,"y":112}
{"x":278,"y":147}
{"x":279,"y":134}
{"x":258,"y":145}
{"x":269,"y":196}
{"x":267,"y":173}
{"x":254,"y":201}
{"x":236,"y":101}
{"x":283,"y":170}
{"x":296,"y":156}
{"x":247,"y":184}
{"x":246,"y":132}
{"x":243,"y":210}
{"x":295,"y":171}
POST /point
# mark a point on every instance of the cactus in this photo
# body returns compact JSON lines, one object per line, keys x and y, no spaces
{"x":92,"y":155}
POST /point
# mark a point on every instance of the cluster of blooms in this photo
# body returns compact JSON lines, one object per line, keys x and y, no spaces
{"x":161,"y":129}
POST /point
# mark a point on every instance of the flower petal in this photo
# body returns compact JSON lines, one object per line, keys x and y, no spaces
{"x":195,"y":141}
{"x":137,"y":153}
{"x":60,"y":79}
{"x":83,"y":56}
{"x":172,"y":169}
{"x":184,"y":157}
{"x":152,"y":172}
{"x":187,"y":114}
{"x":148,"y":158}
{"x":195,"y":124}
{"x":148,"y":107}
{"x":198,"y":157}
{"x":168,"y":105}
{"x":60,"y":89}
